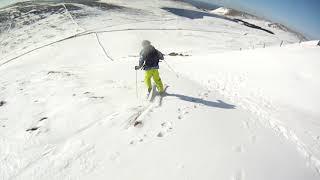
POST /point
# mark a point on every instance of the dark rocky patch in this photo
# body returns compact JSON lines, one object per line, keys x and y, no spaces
{"x":32,"y":129}
{"x":59,"y":72}
{"x":96,"y":97}
{"x":2,"y":103}
{"x":137,"y":124}
{"x":44,"y":118}
{"x":177,"y":54}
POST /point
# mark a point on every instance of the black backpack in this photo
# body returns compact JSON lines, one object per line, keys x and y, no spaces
{"x":151,"y":57}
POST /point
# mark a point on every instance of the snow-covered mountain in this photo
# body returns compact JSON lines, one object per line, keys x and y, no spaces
{"x":232,"y":13}
{"x":28,"y":25}
{"x":237,"y":106}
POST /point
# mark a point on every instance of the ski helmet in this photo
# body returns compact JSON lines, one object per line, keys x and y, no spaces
{"x":145,"y":43}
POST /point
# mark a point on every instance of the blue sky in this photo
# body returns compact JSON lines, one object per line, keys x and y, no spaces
{"x":299,"y":15}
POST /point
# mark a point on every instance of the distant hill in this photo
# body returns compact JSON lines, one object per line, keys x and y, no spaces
{"x":243,"y":15}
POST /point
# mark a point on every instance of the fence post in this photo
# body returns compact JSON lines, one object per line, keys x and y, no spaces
{"x":281,"y":43}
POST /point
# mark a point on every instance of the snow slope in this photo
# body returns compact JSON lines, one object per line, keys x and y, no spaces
{"x":67,"y":109}
{"x":279,"y":85}
{"x":82,"y":107}
{"x":32,"y":25}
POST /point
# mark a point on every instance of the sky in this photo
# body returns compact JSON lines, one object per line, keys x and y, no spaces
{"x":299,"y":15}
{"x":5,"y":2}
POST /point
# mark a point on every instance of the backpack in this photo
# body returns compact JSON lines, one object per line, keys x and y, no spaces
{"x":151,"y":57}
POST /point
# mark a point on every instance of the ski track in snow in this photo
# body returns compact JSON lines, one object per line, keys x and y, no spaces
{"x":63,"y":146}
{"x":229,"y":85}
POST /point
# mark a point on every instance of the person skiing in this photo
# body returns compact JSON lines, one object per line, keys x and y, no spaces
{"x":149,"y":62}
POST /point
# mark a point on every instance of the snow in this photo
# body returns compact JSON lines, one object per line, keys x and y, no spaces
{"x":229,"y":114}
{"x":276,"y":84}
{"x":221,"y":11}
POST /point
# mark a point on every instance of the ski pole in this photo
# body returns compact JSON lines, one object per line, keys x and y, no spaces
{"x":171,"y":68}
{"x":137,"y":84}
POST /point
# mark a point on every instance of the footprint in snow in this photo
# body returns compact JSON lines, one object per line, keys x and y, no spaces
{"x":2,"y":121}
{"x":182,"y":112}
{"x":167,"y":126}
{"x":138,"y":140}
{"x":160,"y":134}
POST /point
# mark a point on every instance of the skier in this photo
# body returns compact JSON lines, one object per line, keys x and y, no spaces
{"x":149,"y":61}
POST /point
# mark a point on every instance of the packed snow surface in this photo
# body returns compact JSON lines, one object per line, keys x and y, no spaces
{"x":234,"y":110}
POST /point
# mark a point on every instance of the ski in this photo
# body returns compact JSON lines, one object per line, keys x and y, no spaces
{"x":137,"y":120}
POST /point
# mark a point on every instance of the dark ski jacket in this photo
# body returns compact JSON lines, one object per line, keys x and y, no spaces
{"x":149,"y":58}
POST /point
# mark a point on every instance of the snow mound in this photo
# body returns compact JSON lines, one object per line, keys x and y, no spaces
{"x":311,"y":43}
{"x":221,"y":11}
{"x":224,"y":11}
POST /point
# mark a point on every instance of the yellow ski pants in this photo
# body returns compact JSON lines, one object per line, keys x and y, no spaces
{"x":153,"y":73}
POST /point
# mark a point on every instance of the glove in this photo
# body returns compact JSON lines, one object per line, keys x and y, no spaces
{"x":137,"y":67}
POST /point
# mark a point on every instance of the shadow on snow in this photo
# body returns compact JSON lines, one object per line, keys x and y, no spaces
{"x":217,"y":104}
{"x":191,"y":14}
